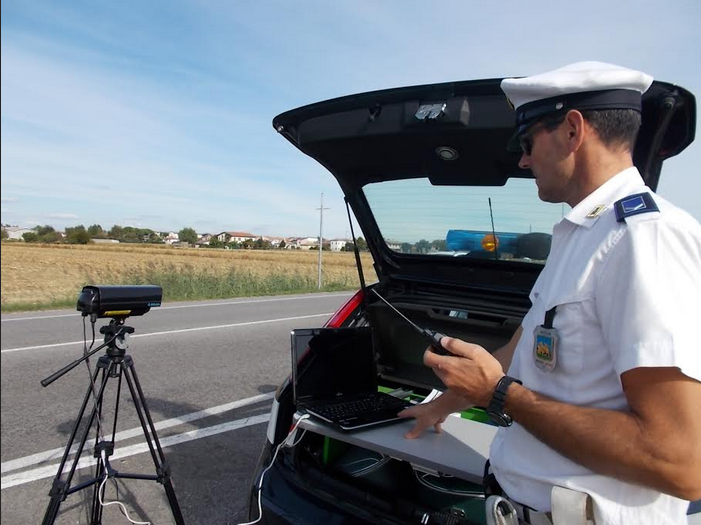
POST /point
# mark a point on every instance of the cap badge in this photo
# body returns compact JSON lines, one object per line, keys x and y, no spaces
{"x":559,"y":105}
{"x":596,"y":211}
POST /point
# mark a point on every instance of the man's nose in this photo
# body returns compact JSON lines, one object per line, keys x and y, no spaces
{"x":524,"y":162}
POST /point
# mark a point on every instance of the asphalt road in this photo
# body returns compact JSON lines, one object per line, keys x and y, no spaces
{"x":208,"y":372}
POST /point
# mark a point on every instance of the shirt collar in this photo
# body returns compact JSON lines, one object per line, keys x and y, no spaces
{"x":588,"y":211}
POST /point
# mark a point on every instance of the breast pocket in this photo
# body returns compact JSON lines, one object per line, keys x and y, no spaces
{"x":573,"y":322}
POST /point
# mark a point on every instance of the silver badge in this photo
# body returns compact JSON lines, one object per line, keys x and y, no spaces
{"x":545,"y":348}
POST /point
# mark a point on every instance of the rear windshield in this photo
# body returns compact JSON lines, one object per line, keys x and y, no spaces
{"x":416,"y":217}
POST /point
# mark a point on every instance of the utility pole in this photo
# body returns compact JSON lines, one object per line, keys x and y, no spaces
{"x":321,"y":237}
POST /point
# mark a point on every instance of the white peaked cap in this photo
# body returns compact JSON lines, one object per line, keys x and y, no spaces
{"x":582,"y":85}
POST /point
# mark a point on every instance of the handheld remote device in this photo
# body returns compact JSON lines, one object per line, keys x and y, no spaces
{"x":434,"y":338}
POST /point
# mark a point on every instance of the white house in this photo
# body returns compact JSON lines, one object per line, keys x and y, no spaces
{"x":171,"y":238}
{"x":236,"y":236}
{"x":301,"y":243}
{"x":274,"y":241}
{"x":14,"y":232}
{"x":105,"y":241}
{"x":305,"y":243}
{"x":203,"y":239}
{"x":338,"y":245}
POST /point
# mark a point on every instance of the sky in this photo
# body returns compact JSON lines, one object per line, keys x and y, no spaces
{"x":158,"y":114}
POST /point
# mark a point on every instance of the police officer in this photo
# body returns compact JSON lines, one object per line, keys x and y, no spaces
{"x":603,"y":383}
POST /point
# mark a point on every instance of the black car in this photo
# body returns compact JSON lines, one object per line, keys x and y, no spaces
{"x":458,"y":237}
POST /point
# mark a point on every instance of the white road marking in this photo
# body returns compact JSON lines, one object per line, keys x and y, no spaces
{"x":20,"y":478}
{"x":175,"y":307}
{"x":234,"y":325}
{"x":57,"y":453}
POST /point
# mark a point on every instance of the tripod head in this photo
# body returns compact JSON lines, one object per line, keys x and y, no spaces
{"x":116,"y":337}
{"x":116,"y":340}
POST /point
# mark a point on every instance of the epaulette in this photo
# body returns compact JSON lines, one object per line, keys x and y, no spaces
{"x":633,"y":205}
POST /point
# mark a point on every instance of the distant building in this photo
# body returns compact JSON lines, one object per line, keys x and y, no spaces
{"x":338,"y":245}
{"x":15,"y":232}
{"x":302,"y":243}
{"x":236,"y":236}
{"x":274,"y":241}
{"x":105,"y":241}
{"x":171,"y":238}
{"x":203,"y":239}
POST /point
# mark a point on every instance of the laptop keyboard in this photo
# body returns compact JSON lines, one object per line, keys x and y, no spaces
{"x":364,"y":405}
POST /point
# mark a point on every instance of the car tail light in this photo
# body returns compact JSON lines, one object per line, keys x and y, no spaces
{"x":342,"y":314}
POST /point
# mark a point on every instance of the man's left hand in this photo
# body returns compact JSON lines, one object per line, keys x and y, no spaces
{"x":470,"y":371}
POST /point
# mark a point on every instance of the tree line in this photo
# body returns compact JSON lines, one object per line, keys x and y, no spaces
{"x":424,"y":246}
{"x":81,"y":235}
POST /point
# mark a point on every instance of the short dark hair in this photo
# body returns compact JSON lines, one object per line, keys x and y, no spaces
{"x":552,"y":121}
{"x":615,"y":127}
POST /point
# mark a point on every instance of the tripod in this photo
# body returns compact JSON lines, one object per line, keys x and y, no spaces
{"x":114,"y":364}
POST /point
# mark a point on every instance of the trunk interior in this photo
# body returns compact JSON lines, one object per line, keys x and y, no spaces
{"x":382,"y":485}
{"x":365,"y":477}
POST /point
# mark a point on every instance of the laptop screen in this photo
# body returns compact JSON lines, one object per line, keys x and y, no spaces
{"x":328,"y":362}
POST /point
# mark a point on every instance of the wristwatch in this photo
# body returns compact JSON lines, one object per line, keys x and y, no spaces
{"x":496,"y":405}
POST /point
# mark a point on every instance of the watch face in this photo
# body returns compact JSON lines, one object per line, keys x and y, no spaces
{"x":503,"y":420}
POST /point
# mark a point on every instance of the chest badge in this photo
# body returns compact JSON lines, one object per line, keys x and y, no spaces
{"x":545,"y":348}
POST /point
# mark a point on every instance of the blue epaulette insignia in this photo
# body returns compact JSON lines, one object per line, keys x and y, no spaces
{"x":633,"y":205}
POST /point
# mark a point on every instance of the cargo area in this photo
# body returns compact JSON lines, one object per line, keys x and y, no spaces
{"x":439,"y":475}
{"x":384,"y":484}
{"x":400,"y":347}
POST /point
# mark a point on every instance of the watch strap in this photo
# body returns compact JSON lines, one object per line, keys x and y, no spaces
{"x":496,"y":404}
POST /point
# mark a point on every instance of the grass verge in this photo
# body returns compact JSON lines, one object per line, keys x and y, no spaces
{"x":188,"y":284}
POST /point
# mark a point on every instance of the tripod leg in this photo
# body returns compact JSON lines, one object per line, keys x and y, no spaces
{"x":96,"y":507}
{"x":99,"y":468}
{"x":60,"y":488}
{"x":54,"y":504}
{"x":100,"y":489}
{"x":159,"y":460}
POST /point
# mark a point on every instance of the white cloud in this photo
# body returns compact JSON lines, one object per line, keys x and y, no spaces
{"x":62,"y":216}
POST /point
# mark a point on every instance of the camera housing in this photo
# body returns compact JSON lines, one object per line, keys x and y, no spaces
{"x":118,"y":301}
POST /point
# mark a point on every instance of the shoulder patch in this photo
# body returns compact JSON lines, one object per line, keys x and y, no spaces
{"x":633,"y":205}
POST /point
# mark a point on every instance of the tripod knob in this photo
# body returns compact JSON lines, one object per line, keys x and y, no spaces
{"x":122,"y":341}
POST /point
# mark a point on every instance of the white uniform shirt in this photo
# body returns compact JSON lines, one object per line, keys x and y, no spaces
{"x":627,"y":295}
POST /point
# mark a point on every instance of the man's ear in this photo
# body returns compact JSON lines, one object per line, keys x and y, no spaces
{"x":574,"y":125}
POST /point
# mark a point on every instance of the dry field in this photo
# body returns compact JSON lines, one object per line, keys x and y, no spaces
{"x":33,"y":273}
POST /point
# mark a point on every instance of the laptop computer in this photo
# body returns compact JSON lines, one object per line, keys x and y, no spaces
{"x":334,"y":378}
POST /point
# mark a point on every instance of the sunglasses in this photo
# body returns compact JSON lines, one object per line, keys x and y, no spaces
{"x":526,"y":140}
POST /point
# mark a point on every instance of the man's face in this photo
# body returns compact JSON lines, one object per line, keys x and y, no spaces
{"x":544,"y":155}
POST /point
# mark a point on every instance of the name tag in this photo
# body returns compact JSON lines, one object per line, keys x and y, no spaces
{"x":545,"y":348}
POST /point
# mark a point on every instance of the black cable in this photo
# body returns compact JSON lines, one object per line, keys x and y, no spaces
{"x":93,"y":389}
